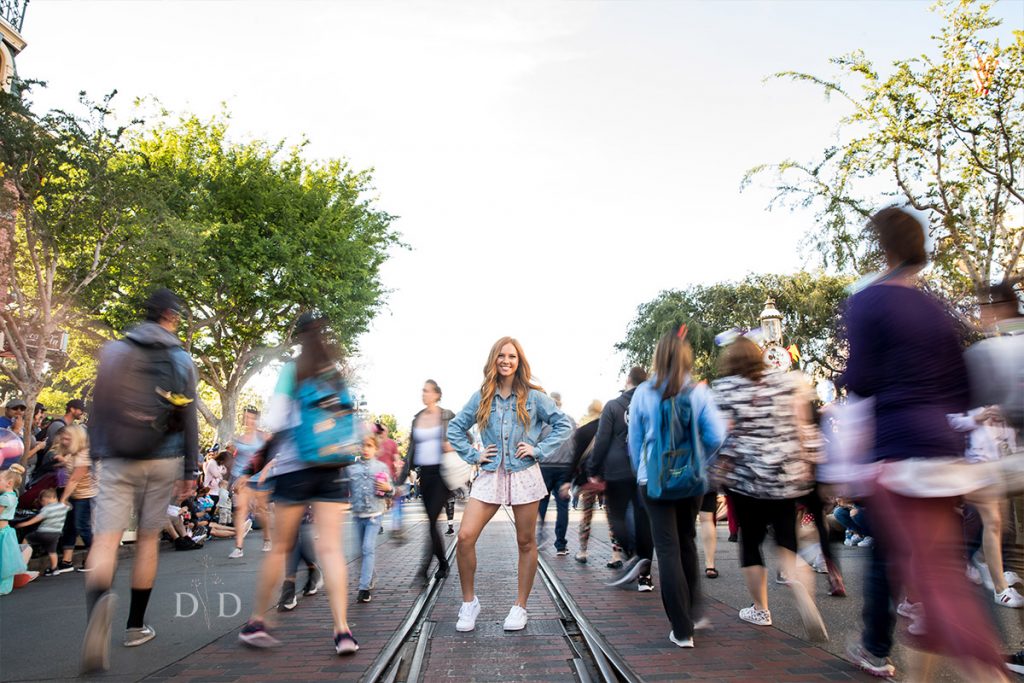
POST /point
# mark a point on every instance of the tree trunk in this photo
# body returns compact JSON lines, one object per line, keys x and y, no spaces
{"x":228,"y":411}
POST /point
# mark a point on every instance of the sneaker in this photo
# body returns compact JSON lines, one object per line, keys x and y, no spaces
{"x":809,"y":613}
{"x":866,"y":542}
{"x":852,"y":540}
{"x":1009,"y":598}
{"x":614,"y":564}
{"x":314,"y":582}
{"x":288,"y":599}
{"x":236,"y":553}
{"x":451,"y":531}
{"x":516,"y":619}
{"x":134,"y":637}
{"x":254,"y":634}
{"x":1015,"y":662}
{"x":266,"y":546}
{"x":759,"y":617}
{"x":917,"y":620}
{"x":867,"y":662}
{"x":562,"y":552}
{"x":49,"y":571}
{"x":634,"y":568}
{"x":684,"y":642}
{"x":907,"y":609}
{"x":63,"y":568}
{"x":581,"y":558}
{"x":703,"y":624}
{"x":974,"y":574}
{"x":734,"y":538}
{"x":781,"y":578}
{"x":1012,"y":578}
{"x":442,"y":572}
{"x":364,"y":596}
{"x":83,"y":569}
{"x":467,"y":616}
{"x":345,"y":643}
{"x":96,"y":643}
{"x":645,"y":584}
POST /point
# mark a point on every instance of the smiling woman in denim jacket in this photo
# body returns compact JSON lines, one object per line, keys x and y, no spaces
{"x":510,"y":411}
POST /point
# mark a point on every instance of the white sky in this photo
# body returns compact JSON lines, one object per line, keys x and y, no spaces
{"x":554,"y":165}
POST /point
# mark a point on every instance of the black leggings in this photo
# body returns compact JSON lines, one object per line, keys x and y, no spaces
{"x":673,"y":526}
{"x":637,"y":541}
{"x":435,"y":495}
{"x":754,"y":515}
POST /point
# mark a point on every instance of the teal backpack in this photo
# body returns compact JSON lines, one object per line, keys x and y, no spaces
{"x":675,"y":459}
{"x":330,"y":432}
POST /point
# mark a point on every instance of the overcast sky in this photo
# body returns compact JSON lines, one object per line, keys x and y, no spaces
{"x":554,"y":165}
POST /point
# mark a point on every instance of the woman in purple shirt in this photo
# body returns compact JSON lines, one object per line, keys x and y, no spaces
{"x":906,"y":355}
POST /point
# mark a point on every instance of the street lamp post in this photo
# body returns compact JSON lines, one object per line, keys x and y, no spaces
{"x":775,"y":355}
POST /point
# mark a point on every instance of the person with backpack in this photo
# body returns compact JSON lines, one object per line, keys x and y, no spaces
{"x":510,"y":411}
{"x":610,"y":463}
{"x":144,"y":433}
{"x":674,"y":427}
{"x":316,"y":433}
{"x":769,"y":457}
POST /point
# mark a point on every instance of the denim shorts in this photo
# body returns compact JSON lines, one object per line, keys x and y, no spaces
{"x":311,"y":485}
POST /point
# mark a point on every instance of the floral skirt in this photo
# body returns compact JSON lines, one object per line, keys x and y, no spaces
{"x":502,"y":487}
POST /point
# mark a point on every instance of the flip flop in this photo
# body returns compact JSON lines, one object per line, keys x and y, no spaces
{"x":711,"y":572}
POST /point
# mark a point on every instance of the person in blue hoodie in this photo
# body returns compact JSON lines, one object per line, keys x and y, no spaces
{"x":511,"y":413}
{"x":673,"y":522}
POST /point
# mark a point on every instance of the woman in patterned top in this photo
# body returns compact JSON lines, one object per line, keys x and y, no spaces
{"x":768,"y":463}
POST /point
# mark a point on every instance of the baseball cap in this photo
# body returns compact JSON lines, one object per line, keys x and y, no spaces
{"x":17,"y":403}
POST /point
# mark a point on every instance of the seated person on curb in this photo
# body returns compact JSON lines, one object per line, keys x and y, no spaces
{"x":51,"y":526}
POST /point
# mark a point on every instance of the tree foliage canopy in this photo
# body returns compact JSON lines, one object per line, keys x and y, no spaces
{"x":923,"y":135}
{"x":809,"y":302}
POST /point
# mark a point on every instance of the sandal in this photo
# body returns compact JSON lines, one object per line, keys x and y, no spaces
{"x":711,"y":572}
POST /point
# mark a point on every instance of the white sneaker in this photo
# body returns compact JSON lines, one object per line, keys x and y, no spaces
{"x":516,"y":619}
{"x":266,"y":546}
{"x":703,"y":624}
{"x":909,"y":610}
{"x":685,"y":642}
{"x":1012,"y":578}
{"x":236,"y":553}
{"x":467,"y":615}
{"x":759,"y":617}
{"x":852,"y":541}
{"x":986,"y":576}
{"x":973,"y":574}
{"x":866,"y":542}
{"x":1009,"y":598}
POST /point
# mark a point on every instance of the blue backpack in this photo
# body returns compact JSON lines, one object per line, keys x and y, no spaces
{"x":330,"y":432}
{"x":675,"y":462}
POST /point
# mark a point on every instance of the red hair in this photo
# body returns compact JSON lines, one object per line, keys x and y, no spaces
{"x":521,"y":384}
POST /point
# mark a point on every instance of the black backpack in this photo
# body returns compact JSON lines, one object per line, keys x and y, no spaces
{"x":149,"y":402}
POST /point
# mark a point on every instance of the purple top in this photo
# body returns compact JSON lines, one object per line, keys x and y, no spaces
{"x":904,"y":352}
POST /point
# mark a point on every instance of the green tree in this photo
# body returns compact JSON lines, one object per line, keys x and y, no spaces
{"x":923,"y":135}
{"x":809,"y":302}
{"x":75,"y":208}
{"x":252,"y":234}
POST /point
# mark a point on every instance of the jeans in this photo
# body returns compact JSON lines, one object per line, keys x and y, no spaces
{"x":554,"y":477}
{"x":877,"y":612}
{"x":673,"y":527}
{"x":78,"y":523}
{"x":396,"y":513}
{"x":621,"y":497}
{"x":302,"y":551}
{"x":858,"y":523}
{"x":368,"y":529}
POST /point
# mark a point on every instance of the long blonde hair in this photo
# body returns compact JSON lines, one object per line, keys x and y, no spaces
{"x":673,"y":361}
{"x":521,"y":384}
{"x":79,"y":440}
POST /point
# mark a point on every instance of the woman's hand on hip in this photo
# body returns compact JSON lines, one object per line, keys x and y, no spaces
{"x":524,"y":450}
{"x":488,"y":454}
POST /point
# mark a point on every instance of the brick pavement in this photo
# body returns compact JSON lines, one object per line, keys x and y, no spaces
{"x":636,"y":626}
{"x":307,"y":653}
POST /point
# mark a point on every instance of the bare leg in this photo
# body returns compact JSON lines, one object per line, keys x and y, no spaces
{"x":992,"y":541}
{"x":102,"y":560}
{"x":147,"y":553}
{"x":474,"y":519}
{"x":757,"y":583}
{"x":329,"y":519}
{"x":242,"y":496}
{"x":526,"y":538}
{"x":286,"y":525}
{"x":261,"y":508}
{"x":708,"y":537}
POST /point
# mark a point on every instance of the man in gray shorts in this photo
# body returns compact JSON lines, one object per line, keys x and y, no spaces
{"x":144,"y":436}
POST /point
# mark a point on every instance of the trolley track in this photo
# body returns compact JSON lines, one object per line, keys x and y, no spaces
{"x":593,"y":659}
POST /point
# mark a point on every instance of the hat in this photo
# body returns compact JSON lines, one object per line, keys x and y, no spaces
{"x":76,"y":403}
{"x":17,"y":403}
{"x":162,"y":300}
{"x":40,"y":408}
{"x":307,"y":321}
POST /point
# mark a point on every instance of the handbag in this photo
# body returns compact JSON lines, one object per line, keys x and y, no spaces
{"x":454,"y":470}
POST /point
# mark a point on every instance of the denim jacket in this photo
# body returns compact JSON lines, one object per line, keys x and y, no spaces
{"x":505,"y":431}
